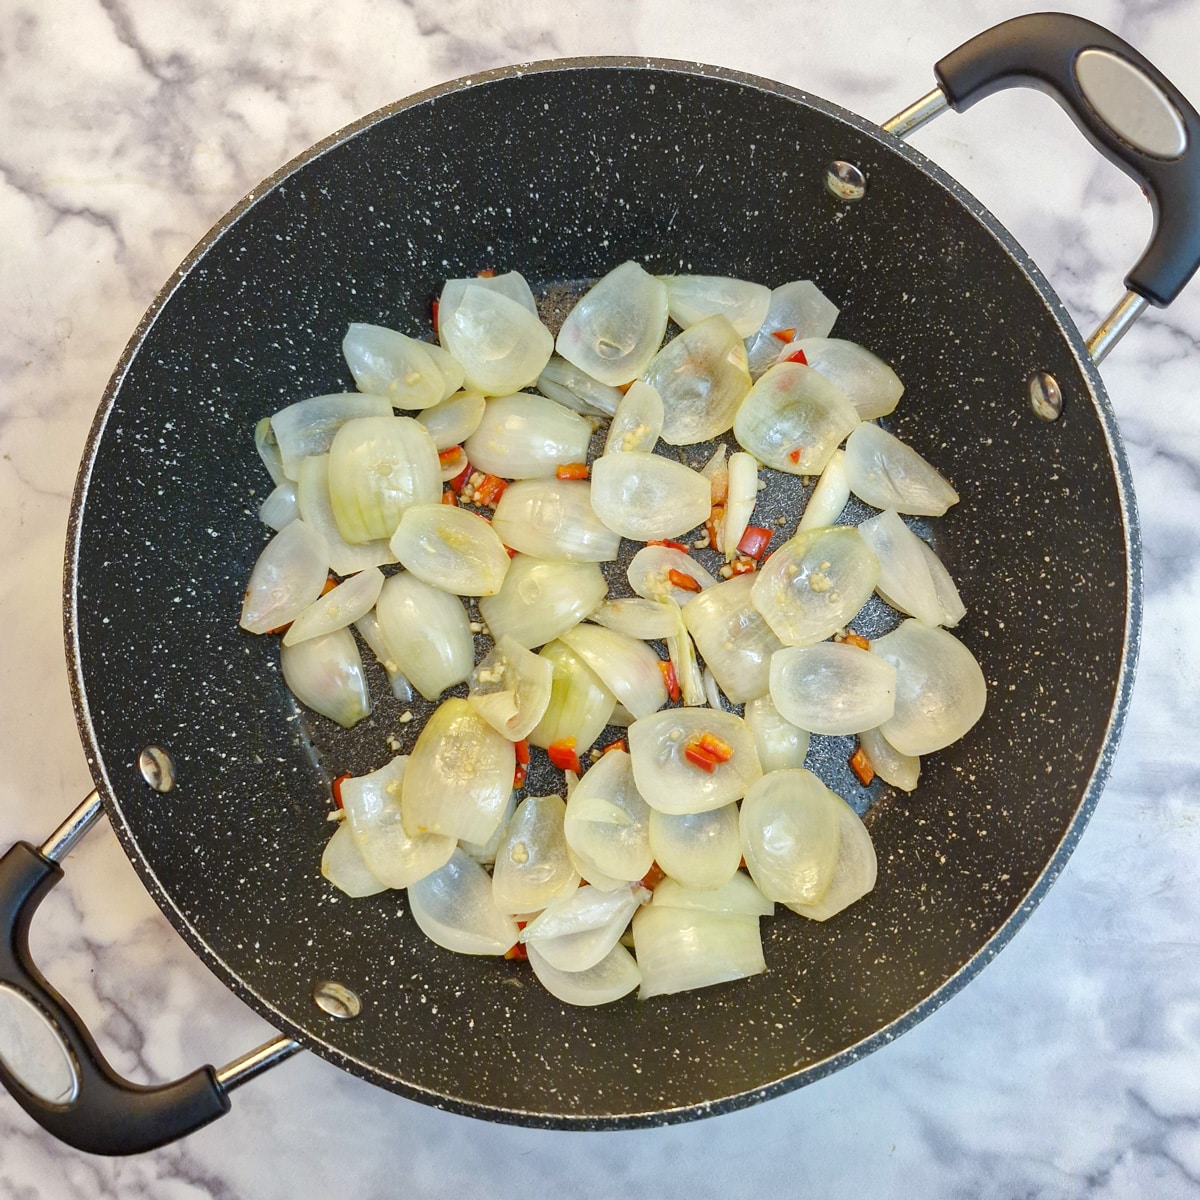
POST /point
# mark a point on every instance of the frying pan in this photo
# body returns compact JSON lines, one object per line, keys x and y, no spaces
{"x":563,"y":169}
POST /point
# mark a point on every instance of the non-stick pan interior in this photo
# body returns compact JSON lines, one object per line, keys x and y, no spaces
{"x":561,"y":172}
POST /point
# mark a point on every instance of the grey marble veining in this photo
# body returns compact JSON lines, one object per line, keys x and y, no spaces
{"x":1067,"y":1068}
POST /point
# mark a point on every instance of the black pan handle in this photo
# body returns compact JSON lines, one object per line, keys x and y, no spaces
{"x":106,"y":1114}
{"x":1125,"y":107}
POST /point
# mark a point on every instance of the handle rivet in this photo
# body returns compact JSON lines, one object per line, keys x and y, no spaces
{"x":845,"y":180}
{"x":336,"y":999}
{"x":157,"y":768}
{"x":1045,"y":396}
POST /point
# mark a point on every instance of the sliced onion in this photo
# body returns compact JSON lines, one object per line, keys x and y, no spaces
{"x":614,"y":976}
{"x":791,"y":836}
{"x":500,"y":344}
{"x":940,"y":689}
{"x":580,"y":705}
{"x":780,"y":744}
{"x":511,"y":688}
{"x":572,"y":388}
{"x":829,"y":497}
{"x":626,"y":666}
{"x":670,"y":783}
{"x":702,"y":377}
{"x":280,"y":508}
{"x":268,"y":450}
{"x":900,"y":770}
{"x":617,"y":326}
{"x":343,"y":605}
{"x":885,"y":472}
{"x":451,"y":548}
{"x":905,"y":579}
{"x":372,"y":806}
{"x":527,"y":437}
{"x":540,"y":600}
{"x":833,"y":687}
{"x":372,"y":633}
{"x":287,"y":577}
{"x":855,"y":873}
{"x":638,"y":421}
{"x":680,"y":948}
{"x":647,"y":497}
{"x":409,"y":373}
{"x":326,"y":673}
{"x":712,"y":692}
{"x":733,"y":638}
{"x":459,"y":775}
{"x":794,"y":419}
{"x":682,"y":652}
{"x":740,"y":501}
{"x":532,"y":864}
{"x":453,"y":907}
{"x":378,"y":467}
{"x":636,"y":617}
{"x":312,"y":493}
{"x":427,"y":633}
{"x":608,"y":823}
{"x":738,"y":895}
{"x":454,"y":419}
{"x":511,"y":284}
{"x":815,"y":584}
{"x":692,"y":298}
{"x":698,"y":850}
{"x":343,"y":866}
{"x":484,"y":853}
{"x":553,"y":519}
{"x":799,"y":307}
{"x":577,"y":930}
{"x":863,"y":378}
{"x":949,"y":601}
{"x":649,"y":574}
{"x":308,"y":427}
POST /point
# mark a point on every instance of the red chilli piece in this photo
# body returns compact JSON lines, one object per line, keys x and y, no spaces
{"x":517,"y":952}
{"x":754,"y":541}
{"x":860,"y":764}
{"x":489,"y":490}
{"x":460,"y":480}
{"x":671,"y":680}
{"x":449,"y":455}
{"x":448,"y":497}
{"x":433,"y":314}
{"x":336,"y":788}
{"x":519,"y":774}
{"x":741,"y":566}
{"x":699,"y":757}
{"x":681,"y":579}
{"x":562,"y":755}
{"x":619,"y":744}
{"x":857,"y":639}
{"x":797,"y":357}
{"x":486,"y":273}
{"x":720,"y":749}
{"x":521,"y":749}
{"x":667,"y":542}
{"x":794,"y":455}
{"x":784,"y":335}
{"x":653,"y":877}
{"x":577,"y":470}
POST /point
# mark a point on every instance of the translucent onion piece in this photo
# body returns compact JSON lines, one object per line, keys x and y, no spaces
{"x":287,"y":577}
{"x":712,"y":693}
{"x":451,"y":548}
{"x":280,"y":508}
{"x":702,"y":377}
{"x":617,"y":326}
{"x":409,"y":373}
{"x":343,"y":866}
{"x":682,"y":652}
{"x":698,"y":850}
{"x":636,"y":617}
{"x":900,"y":770}
{"x":427,"y":634}
{"x":670,"y":783}
{"x":738,"y":895}
{"x":343,"y":605}
{"x":716,"y":471}
{"x":794,"y":419}
{"x":740,"y":500}
{"x":484,"y":853}
{"x":511,"y":688}
{"x":540,"y":600}
{"x":614,"y":976}
{"x":886,"y":473}
{"x":647,"y":497}
{"x":312,"y":494}
{"x":577,"y":930}
{"x":532,"y":864}
{"x":454,"y":419}
{"x":372,"y":633}
{"x":580,"y":705}
{"x":780,"y":743}
{"x":854,"y":875}
{"x":833,"y":687}
{"x":378,"y":466}
{"x":626,"y":666}
{"x":815,"y":584}
{"x":905,"y":579}
{"x":829,"y":497}
{"x":791,"y":836}
{"x":308,"y":426}
{"x":571,"y":387}
{"x":638,"y":421}
{"x":649,"y":574}
{"x":553,"y":518}
{"x":459,"y":775}
{"x":527,"y":437}
{"x":692,"y":298}
{"x":268,"y":451}
{"x":453,"y":464}
{"x":865,"y":379}
{"x":681,"y":948}
{"x":608,"y":823}
{"x":372,"y":806}
{"x":798,"y":306}
{"x":949,"y":601}
{"x":500,"y":344}
{"x":326,"y":673}
{"x":453,"y":907}
{"x":734,"y":640}
{"x":511,"y":284}
{"x":940,"y":689}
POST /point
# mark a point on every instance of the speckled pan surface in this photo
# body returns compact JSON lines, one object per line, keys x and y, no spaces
{"x":563,"y":170}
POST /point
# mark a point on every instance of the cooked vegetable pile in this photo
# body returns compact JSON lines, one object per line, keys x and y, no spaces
{"x":492,"y":512}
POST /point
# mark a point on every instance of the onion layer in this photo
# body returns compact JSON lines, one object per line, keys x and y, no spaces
{"x":500,"y":344}
{"x":409,"y":373}
{"x":681,"y":948}
{"x":540,"y":600}
{"x":833,"y":687}
{"x":343,"y":866}
{"x":580,"y":705}
{"x":698,"y":850}
{"x":343,"y":605}
{"x":532,"y":864}
{"x":427,"y":634}
{"x":854,"y":875}
{"x":625,"y":665}
{"x":647,"y":497}
{"x":511,"y":688}
{"x":326,"y":673}
{"x":886,"y":473}
{"x":451,"y":548}
{"x":287,"y":577}
{"x":614,"y":976}
{"x":554,"y":519}
{"x":453,"y":907}
{"x":608,"y":823}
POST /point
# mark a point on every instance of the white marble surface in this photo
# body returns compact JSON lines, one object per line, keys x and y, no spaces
{"x":1069,"y":1067}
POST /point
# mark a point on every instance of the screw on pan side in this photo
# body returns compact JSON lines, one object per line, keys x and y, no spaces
{"x":845,"y":180}
{"x":157,"y":768}
{"x":336,"y":999}
{"x":1045,"y":396}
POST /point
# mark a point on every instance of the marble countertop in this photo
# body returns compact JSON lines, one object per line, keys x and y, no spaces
{"x":1069,"y":1067}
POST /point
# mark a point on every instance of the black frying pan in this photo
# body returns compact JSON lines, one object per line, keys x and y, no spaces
{"x":562,"y":170}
